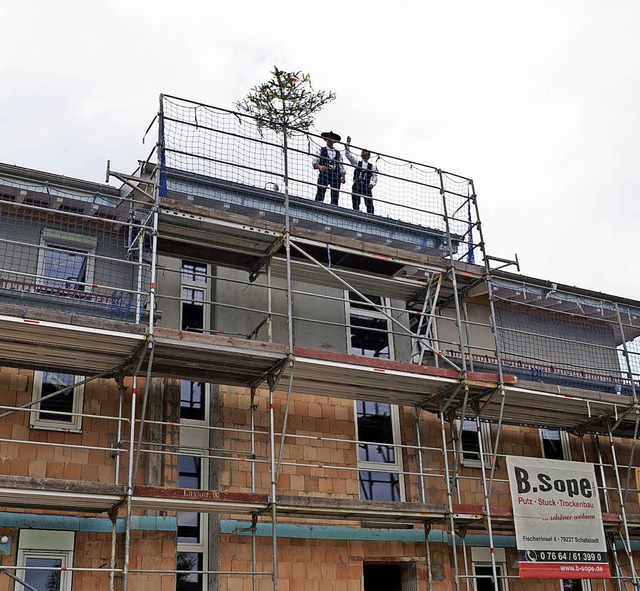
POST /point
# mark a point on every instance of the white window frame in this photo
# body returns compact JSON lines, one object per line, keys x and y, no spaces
{"x":48,"y":545}
{"x":60,"y":240}
{"x":201,"y":286}
{"x":74,"y":425}
{"x":395,"y":467}
{"x":365,"y":466}
{"x":485,"y":433}
{"x":368,"y":312}
{"x":586,"y":584}
{"x":205,"y":401}
{"x":193,"y":441}
{"x":564,"y":442}
{"x":204,"y":472}
{"x":482,"y":557}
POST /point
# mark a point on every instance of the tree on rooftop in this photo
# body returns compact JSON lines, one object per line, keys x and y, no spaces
{"x":286,"y":101}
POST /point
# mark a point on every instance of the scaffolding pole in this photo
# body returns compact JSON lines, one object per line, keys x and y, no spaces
{"x":626,"y":540}
{"x":452,"y":526}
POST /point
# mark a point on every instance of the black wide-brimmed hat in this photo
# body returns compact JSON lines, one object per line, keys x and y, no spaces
{"x":330,"y":135}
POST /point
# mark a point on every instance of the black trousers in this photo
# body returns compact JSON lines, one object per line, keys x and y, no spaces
{"x":358,"y":191}
{"x":328,"y":180}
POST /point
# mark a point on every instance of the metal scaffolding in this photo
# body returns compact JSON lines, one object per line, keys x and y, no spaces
{"x":544,"y":355}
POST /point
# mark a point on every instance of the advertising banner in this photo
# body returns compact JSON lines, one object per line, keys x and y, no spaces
{"x":556,"y":510}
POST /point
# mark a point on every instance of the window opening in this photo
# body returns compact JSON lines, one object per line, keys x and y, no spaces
{"x":575,"y":585}
{"x":61,"y":411}
{"x":484,"y":577}
{"x":377,"y":423}
{"x":189,"y":476}
{"x":192,"y":400}
{"x":189,"y":561}
{"x":65,"y":262}
{"x":483,"y":571}
{"x":468,"y":433}
{"x":192,"y":530}
{"x":194,"y":297}
{"x":64,"y":267}
{"x":192,"y":309}
{"x":555,"y":444}
{"x":369,"y":329}
{"x":192,"y":535}
{"x":470,"y":443}
{"x":47,"y":553}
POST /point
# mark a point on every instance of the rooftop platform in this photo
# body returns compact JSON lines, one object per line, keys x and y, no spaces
{"x":264,"y":205}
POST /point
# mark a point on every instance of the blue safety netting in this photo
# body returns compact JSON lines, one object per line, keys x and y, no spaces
{"x":558,"y":337}
{"x":73,"y":252}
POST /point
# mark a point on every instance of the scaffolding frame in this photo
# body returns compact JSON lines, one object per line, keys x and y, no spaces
{"x":461,"y":398}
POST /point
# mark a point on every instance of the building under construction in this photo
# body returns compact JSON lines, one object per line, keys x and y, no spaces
{"x":212,"y":381}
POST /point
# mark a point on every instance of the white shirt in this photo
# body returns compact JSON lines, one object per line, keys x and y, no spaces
{"x":354,"y":161}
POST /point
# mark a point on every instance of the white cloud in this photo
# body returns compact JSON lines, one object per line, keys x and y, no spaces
{"x":536,"y":101}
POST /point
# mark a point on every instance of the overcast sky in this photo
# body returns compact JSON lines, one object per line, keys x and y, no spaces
{"x":538,"y":101}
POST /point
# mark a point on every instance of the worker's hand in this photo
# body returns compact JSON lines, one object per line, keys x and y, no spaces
{"x":343,"y":179}
{"x":371,"y":187}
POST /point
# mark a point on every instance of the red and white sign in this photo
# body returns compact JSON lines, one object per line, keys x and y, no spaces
{"x":558,"y":521}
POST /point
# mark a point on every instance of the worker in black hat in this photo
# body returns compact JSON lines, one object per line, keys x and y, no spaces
{"x":329,"y":163}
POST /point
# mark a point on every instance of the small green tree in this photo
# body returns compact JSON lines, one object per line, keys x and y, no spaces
{"x":286,"y":101}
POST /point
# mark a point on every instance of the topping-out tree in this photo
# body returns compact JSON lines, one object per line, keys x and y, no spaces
{"x":285,"y":102}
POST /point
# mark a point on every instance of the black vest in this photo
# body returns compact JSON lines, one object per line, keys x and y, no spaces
{"x":332,"y":164}
{"x":363,"y":174}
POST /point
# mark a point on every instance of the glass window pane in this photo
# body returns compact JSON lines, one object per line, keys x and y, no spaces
{"x":572,"y":585}
{"x":192,"y":400}
{"x":52,"y":382}
{"x":379,"y":486}
{"x":189,"y":472}
{"x":67,"y":264}
{"x":46,"y":579}
{"x":188,"y":527}
{"x":189,"y":561}
{"x":369,"y":336}
{"x":550,"y":434}
{"x":194,"y":272}
{"x":375,"y":424}
{"x":192,"y":309}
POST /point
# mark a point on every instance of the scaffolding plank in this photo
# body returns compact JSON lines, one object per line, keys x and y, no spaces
{"x":66,"y":495}
{"x":362,"y":378}
{"x":41,"y":344}
{"x":528,"y":404}
{"x":216,"y":359}
{"x":332,"y":508}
